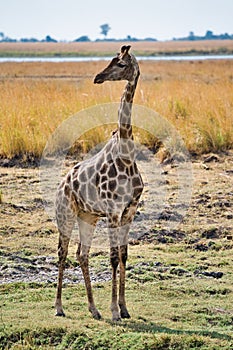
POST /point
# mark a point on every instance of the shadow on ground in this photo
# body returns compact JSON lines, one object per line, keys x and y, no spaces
{"x":151,"y":327}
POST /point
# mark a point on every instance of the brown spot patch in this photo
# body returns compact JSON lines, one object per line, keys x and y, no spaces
{"x":112,"y":171}
{"x":136,"y":182}
{"x":112,"y":185}
{"x":76,"y":185}
{"x":104,"y":168}
{"x":67,"y":190}
{"x":120,"y":164}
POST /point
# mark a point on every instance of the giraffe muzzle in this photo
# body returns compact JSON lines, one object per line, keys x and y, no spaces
{"x":99,"y":79}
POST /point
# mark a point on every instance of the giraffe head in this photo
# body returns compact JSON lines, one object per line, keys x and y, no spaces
{"x":122,"y":67}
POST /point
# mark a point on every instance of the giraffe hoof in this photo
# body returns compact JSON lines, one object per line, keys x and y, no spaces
{"x":116,"y":319}
{"x":125,"y":314}
{"x":97,"y":315}
{"x":60,"y":314}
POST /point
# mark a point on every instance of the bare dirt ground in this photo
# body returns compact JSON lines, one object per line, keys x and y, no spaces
{"x":28,"y":237}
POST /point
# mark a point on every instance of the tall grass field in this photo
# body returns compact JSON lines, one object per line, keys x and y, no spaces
{"x":141,"y":48}
{"x":195,"y":96}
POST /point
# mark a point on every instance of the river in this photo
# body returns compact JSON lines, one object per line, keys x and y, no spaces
{"x":140,"y":58}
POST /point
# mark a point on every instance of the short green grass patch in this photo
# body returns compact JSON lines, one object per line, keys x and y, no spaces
{"x":181,"y":311}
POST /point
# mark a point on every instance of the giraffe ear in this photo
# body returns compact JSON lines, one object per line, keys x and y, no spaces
{"x":125,"y":49}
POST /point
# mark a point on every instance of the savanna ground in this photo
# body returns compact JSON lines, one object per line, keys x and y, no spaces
{"x":110,"y":48}
{"x":179,"y":281}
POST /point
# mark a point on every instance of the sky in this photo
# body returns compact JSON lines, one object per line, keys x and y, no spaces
{"x":70,"y":19}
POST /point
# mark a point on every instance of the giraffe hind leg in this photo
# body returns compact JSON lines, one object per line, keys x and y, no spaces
{"x":86,"y":230}
{"x":65,"y":223}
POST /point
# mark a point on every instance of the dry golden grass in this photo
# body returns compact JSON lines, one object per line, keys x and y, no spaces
{"x":50,"y":69}
{"x":109,"y":48}
{"x":197,"y":98}
{"x":36,"y":97}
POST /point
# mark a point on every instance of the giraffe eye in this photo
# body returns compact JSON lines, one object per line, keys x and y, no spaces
{"x":121,"y":65}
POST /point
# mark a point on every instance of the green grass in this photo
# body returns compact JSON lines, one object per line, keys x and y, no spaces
{"x":28,"y":321}
{"x":170,"y":310}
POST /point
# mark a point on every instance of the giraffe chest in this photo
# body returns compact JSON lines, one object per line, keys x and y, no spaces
{"x":106,"y":186}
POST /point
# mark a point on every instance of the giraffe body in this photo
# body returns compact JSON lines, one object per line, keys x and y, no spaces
{"x":106,"y":185}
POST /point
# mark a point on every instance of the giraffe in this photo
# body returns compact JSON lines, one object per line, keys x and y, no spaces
{"x":107,"y":185}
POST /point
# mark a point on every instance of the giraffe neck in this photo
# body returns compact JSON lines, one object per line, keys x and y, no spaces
{"x":126,"y":144}
{"x":124,"y":112}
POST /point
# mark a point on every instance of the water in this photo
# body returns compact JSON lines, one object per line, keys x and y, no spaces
{"x":140,"y":58}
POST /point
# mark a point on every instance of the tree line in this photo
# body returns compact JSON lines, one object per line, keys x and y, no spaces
{"x":209,"y":35}
{"x":105,"y":28}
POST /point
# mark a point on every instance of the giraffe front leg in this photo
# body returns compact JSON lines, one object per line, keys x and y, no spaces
{"x":113,"y":222}
{"x":82,"y":256}
{"x":122,"y":303}
{"x":114,"y":258}
{"x":126,"y":220}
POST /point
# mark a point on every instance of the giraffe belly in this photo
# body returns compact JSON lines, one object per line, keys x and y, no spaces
{"x":103,"y":202}
{"x":103,"y":188}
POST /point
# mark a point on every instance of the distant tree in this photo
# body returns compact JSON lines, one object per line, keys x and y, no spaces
{"x":130,"y":38}
{"x":2,"y":35}
{"x":150,"y":39}
{"x":226,"y":36}
{"x":29,"y":40}
{"x":191,"y":36}
{"x":84,"y":38}
{"x":105,"y":29}
{"x":48,"y":39}
{"x":209,"y":34}
{"x":9,"y":40}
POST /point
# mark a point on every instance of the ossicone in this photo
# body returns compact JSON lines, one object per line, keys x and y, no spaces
{"x":125,"y":49}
